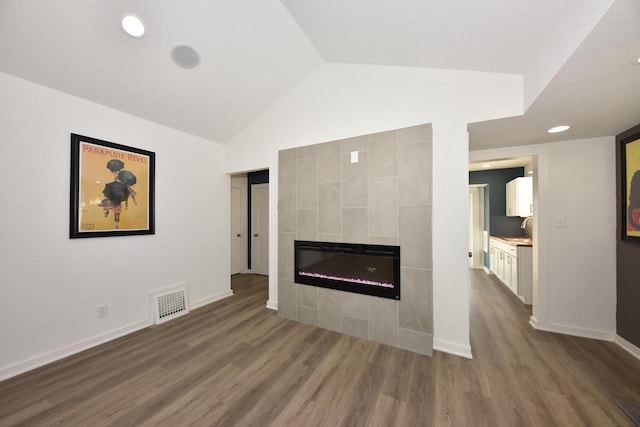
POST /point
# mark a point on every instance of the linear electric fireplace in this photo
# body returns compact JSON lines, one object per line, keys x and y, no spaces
{"x":364,"y":269}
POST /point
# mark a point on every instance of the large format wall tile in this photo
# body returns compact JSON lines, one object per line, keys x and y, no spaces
{"x":329,"y":314}
{"x":415,"y":301}
{"x":329,"y":237}
{"x":383,"y":207}
{"x":307,"y":224}
{"x":287,"y":167}
{"x":415,"y":236}
{"x":355,"y":225}
{"x":383,"y":321}
{"x":287,"y":299}
{"x":417,"y":342}
{"x":285,"y":255}
{"x":384,"y":198}
{"x":329,"y":157}
{"x":383,"y":154}
{"x":307,"y":296}
{"x":414,"y":134}
{"x":329,"y":208}
{"x":355,"y":327}
{"x":307,"y":182}
{"x":307,"y":152}
{"x":355,"y":182}
{"x":381,"y":240}
{"x":355,"y":306}
{"x":307,"y":315}
{"x":287,"y":208}
{"x":357,"y":143}
{"x":414,"y":175}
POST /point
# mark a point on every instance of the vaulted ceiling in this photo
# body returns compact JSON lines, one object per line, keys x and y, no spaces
{"x":576,"y":56}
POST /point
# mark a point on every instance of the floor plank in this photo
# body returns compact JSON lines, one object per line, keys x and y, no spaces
{"x":236,"y":363}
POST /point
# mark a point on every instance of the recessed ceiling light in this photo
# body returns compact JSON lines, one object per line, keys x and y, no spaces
{"x":559,"y":129}
{"x":133,"y":26}
{"x":530,"y":172}
{"x":486,"y":165}
{"x":637,"y":61}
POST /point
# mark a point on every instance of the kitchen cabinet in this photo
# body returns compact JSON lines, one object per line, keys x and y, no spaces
{"x":513,"y":266}
{"x":520,"y":197}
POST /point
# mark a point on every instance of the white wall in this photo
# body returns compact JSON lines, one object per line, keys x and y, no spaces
{"x":341,"y":100}
{"x":575,"y":288}
{"x":50,"y":285}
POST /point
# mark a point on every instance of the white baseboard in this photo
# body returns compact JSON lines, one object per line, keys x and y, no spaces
{"x":272,"y":305}
{"x":212,"y":298}
{"x":69,"y":350}
{"x":61,"y":353}
{"x":626,"y":345}
{"x":452,"y":348}
{"x":486,"y":270}
{"x":572,"y":330}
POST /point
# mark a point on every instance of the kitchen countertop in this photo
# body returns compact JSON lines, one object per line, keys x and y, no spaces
{"x":515,"y":240}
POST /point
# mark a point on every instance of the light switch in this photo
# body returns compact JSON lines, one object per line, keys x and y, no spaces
{"x":354,"y":157}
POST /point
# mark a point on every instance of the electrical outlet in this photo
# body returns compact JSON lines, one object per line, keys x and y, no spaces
{"x":102,"y":310}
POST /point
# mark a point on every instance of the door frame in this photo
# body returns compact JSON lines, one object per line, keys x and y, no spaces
{"x":477,"y":236}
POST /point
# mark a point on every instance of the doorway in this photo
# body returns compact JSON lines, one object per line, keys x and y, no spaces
{"x":478,"y":234}
{"x":521,"y":254}
{"x":249,"y":223}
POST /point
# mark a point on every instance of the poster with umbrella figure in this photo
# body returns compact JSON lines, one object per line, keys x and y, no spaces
{"x":112,"y":189}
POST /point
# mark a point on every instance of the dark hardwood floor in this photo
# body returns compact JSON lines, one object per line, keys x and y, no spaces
{"x":234,"y":362}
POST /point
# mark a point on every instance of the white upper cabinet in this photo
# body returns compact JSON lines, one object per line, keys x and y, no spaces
{"x":520,"y":197}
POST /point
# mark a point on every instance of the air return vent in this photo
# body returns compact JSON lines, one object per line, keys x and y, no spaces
{"x":170,"y":304}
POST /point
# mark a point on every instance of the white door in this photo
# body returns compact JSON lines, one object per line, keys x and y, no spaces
{"x":260,"y":229}
{"x":236,"y":230}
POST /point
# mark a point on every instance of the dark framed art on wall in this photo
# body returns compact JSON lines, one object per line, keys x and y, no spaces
{"x":112,"y":189}
{"x":630,"y":197}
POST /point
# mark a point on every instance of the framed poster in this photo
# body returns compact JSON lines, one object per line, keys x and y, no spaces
{"x":630,"y":198}
{"x":112,"y":189}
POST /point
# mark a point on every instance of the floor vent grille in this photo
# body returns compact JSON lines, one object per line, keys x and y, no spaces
{"x":171,"y":304}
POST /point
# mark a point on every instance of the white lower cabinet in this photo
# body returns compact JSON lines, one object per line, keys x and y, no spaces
{"x":513,"y":266}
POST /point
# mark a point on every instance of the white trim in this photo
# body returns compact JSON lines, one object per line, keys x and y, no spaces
{"x":272,"y":305}
{"x":572,"y":330}
{"x":52,"y":356}
{"x":626,"y":345}
{"x":55,"y":355}
{"x":452,"y":348}
{"x":212,"y":298}
{"x":486,"y":270}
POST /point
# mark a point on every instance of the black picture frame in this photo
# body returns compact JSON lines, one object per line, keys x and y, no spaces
{"x":630,"y":184}
{"x":112,"y":189}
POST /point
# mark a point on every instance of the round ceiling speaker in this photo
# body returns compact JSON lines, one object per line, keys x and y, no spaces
{"x":185,"y":56}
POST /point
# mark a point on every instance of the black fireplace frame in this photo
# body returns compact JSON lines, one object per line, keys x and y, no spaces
{"x":354,"y":249}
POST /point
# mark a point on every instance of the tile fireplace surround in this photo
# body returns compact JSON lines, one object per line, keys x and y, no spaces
{"x":384,"y":198}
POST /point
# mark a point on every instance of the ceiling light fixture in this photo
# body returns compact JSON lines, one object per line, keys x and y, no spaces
{"x":558,"y":129}
{"x":132,"y":25}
